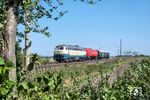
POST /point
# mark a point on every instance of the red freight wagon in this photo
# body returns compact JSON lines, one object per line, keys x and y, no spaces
{"x":91,"y":53}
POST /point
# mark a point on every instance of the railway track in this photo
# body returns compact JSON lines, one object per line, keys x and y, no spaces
{"x":56,"y":65}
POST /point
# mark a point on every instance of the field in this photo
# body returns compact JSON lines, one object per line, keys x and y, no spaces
{"x":117,"y":80}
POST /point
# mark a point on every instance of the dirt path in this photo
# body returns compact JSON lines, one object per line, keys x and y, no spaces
{"x":117,"y":72}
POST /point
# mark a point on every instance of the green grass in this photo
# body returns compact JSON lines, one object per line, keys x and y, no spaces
{"x":46,"y":60}
{"x":74,"y":82}
{"x":82,"y":72}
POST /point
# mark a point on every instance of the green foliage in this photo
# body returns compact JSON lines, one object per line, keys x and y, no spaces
{"x":37,"y":11}
{"x":92,"y":2}
{"x":34,"y":61}
{"x":19,"y":54}
{"x":4,"y":69}
{"x":134,"y":85}
{"x":46,"y":60}
{"x":2,"y":22}
{"x":2,"y":62}
{"x":6,"y":86}
{"x":81,"y":70}
{"x":2,"y":13}
{"x":47,"y":86}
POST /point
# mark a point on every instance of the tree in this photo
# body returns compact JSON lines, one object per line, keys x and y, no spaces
{"x":27,"y":8}
{"x":10,"y":27}
{"x":33,"y":12}
{"x":1,"y":45}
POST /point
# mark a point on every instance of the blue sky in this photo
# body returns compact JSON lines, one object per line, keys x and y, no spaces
{"x":99,"y":26}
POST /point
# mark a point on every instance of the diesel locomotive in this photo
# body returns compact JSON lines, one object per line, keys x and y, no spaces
{"x":75,"y":53}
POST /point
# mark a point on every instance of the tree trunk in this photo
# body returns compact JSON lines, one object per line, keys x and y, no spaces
{"x":10,"y":38}
{"x":1,"y":44}
{"x":27,"y":38}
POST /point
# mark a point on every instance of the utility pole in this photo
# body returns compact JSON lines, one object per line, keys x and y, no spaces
{"x":120,"y":49}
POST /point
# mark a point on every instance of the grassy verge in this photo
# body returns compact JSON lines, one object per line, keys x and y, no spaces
{"x":81,"y":73}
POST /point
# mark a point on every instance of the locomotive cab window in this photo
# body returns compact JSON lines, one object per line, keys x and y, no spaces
{"x":57,"y":48}
{"x":61,"y":48}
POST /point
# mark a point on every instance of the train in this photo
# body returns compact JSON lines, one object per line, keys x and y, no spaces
{"x":69,"y":53}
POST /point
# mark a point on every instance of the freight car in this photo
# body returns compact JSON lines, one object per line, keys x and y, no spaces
{"x":102,"y":55}
{"x":91,"y":54}
{"x":75,"y":53}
